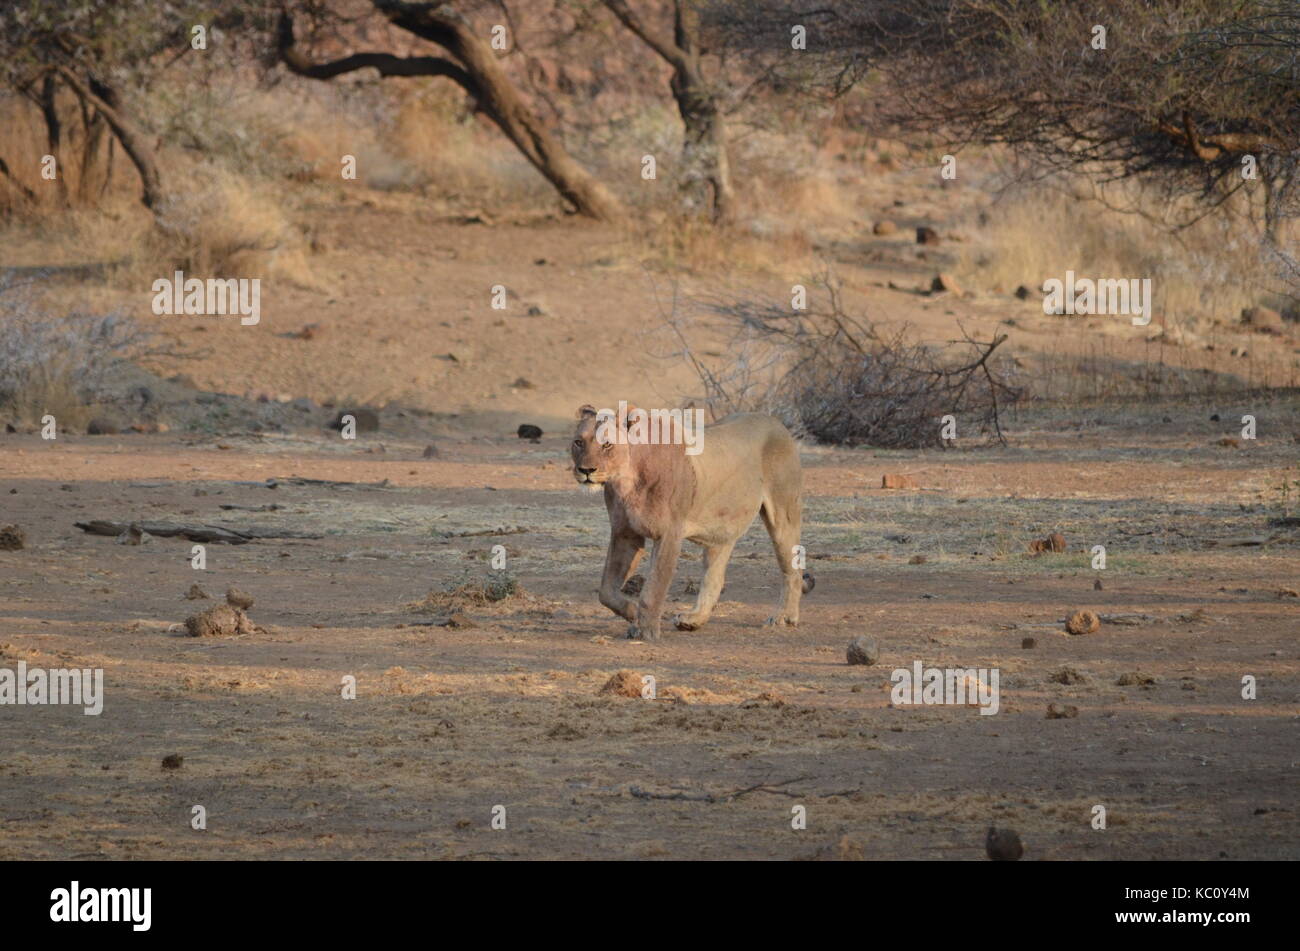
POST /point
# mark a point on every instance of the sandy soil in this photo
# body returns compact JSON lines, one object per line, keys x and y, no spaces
{"x":749,"y":721}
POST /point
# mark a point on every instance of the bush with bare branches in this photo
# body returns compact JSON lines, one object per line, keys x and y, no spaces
{"x":836,"y":378}
{"x":58,"y":363}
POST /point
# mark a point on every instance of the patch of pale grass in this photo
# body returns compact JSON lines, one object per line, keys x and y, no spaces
{"x":222,"y":225}
{"x":1202,"y":275}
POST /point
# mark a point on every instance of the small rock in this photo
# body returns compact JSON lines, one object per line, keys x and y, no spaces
{"x":1003,"y":845}
{"x":884,"y":227}
{"x":1029,"y":643}
{"x":926,"y":235}
{"x":1096,"y":584}
{"x":238,"y":599}
{"x":1082,"y":622}
{"x":1023,"y":292}
{"x":99,"y":426}
{"x":1262,"y":320}
{"x":152,"y":427}
{"x":172,"y":761}
{"x":1229,"y":443}
{"x":522,"y":383}
{"x":862,"y":651}
{"x":195,"y":593}
{"x":1054,"y":543}
{"x":529,"y":431}
{"x":944,"y":283}
{"x":367,"y":420}
{"x":12,"y":538}
{"x":458,"y":621}
{"x":430,"y":451}
{"x":1058,"y":711}
{"x":916,"y":560}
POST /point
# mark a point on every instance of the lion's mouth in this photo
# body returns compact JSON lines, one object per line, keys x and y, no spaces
{"x":589,"y":482}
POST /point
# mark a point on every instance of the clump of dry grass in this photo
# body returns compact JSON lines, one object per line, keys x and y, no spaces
{"x":468,"y":592}
{"x":1201,"y":274}
{"x":684,"y":243}
{"x":225,"y":226}
{"x":57,"y":365}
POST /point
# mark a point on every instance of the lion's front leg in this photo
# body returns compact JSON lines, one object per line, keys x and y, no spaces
{"x":625,"y":551}
{"x":655,"y":590}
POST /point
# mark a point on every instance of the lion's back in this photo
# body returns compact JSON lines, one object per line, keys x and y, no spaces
{"x":749,"y":448}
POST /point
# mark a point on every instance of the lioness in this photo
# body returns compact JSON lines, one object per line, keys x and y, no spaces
{"x":749,"y":463}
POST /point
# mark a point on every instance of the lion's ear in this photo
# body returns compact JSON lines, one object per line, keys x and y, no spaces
{"x":586,"y":410}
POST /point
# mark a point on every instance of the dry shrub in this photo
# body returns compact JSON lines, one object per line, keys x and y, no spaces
{"x":57,"y":364}
{"x":225,"y":226}
{"x":469,"y":592}
{"x":835,"y":378}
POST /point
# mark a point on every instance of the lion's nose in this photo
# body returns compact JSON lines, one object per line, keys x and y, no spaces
{"x":586,"y":471}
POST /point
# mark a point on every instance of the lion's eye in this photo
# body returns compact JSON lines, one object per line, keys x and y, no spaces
{"x":577,"y":444}
{"x":606,"y":446}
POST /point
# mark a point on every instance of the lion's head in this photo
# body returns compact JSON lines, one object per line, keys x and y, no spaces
{"x":597,"y":457}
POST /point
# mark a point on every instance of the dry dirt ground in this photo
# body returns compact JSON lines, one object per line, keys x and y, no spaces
{"x":749,"y":722}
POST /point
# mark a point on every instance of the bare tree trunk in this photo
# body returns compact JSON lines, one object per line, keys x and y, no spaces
{"x":707,"y":172}
{"x":92,"y":151}
{"x":707,"y":178}
{"x":109,"y":105}
{"x":21,"y":188}
{"x":53,"y":133}
{"x":477,"y":71}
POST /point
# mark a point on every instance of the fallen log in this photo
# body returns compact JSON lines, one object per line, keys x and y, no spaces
{"x":195,"y":533}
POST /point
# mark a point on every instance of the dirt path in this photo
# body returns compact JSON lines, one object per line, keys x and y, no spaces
{"x":749,"y":722}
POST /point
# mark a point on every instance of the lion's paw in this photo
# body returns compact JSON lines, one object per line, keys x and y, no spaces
{"x":686,"y":622}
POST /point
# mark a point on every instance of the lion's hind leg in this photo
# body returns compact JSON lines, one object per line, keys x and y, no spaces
{"x":782,"y":517}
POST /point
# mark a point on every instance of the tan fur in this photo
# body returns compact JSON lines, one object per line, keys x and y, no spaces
{"x":749,"y":464}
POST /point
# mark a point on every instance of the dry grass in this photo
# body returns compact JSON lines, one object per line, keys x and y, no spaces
{"x":1202,"y":275}
{"x":223,"y":225}
{"x":470,"y":592}
{"x":57,"y":364}
{"x":688,"y":244}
